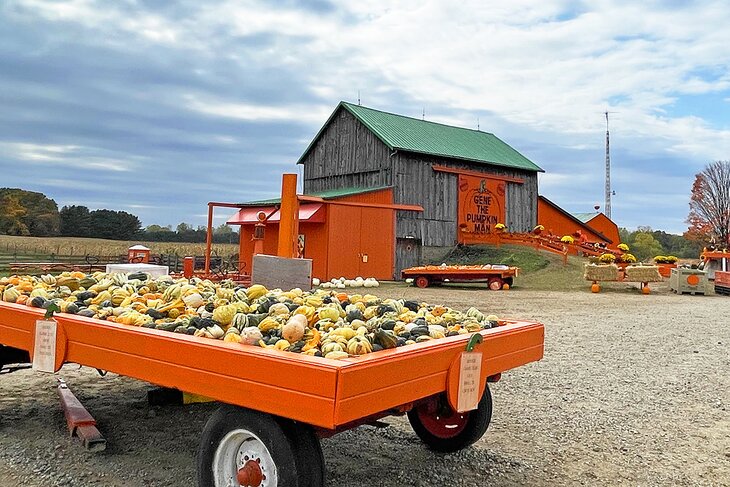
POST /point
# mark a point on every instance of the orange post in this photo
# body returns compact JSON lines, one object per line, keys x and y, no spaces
{"x":188,"y":267}
{"x":209,"y":239}
{"x":289,"y":223}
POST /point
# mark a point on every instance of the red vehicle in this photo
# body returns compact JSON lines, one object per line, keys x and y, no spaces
{"x":496,"y":276}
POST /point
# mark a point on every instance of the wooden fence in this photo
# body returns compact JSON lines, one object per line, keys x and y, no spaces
{"x":41,"y":264}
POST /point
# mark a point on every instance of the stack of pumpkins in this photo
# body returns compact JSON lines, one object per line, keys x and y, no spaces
{"x":343,"y":283}
{"x":319,"y":323}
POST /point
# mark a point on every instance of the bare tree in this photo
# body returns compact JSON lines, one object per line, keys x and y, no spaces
{"x":709,"y":206}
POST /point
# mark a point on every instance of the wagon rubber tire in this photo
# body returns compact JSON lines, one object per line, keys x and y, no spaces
{"x":308,"y":452}
{"x":421,"y":281}
{"x":477,"y":422}
{"x":495,"y":283}
{"x":230,"y":420}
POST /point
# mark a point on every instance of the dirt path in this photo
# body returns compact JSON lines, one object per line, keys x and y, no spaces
{"x":633,"y":390}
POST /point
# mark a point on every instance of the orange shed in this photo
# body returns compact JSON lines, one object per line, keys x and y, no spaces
{"x":347,"y":233}
{"x":559,"y":222}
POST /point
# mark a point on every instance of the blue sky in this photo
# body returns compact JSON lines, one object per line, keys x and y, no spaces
{"x":158,"y":107}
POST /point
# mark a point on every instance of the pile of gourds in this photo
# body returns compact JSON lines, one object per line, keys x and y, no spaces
{"x":319,"y":323}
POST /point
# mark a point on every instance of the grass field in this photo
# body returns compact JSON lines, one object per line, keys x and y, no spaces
{"x":538,"y":269}
{"x":40,"y":246}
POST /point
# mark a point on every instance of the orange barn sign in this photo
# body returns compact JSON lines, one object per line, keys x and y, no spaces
{"x":481,"y":207}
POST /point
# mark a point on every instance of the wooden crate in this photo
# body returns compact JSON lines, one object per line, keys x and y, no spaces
{"x":691,"y":281}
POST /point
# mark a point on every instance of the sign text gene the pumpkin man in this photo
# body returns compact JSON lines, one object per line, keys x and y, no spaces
{"x":481,"y":207}
{"x":480,"y":220}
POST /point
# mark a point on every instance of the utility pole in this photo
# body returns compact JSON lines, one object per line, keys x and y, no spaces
{"x":607,"y":207}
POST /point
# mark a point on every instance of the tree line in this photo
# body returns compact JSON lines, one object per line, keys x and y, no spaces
{"x":645,"y":244}
{"x":29,"y":213}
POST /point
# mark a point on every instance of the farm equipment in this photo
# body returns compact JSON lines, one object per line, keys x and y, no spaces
{"x":496,"y":276}
{"x":713,"y":261}
{"x":722,"y":282}
{"x":277,"y":403}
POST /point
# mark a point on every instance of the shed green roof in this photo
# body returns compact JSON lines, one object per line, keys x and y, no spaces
{"x":586,"y":217}
{"x":326,"y":195}
{"x":424,"y":137}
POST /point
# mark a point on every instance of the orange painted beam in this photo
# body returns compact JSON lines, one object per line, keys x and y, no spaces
{"x":316,"y":199}
{"x":466,"y":172}
{"x":289,"y":220}
{"x":208,"y":239}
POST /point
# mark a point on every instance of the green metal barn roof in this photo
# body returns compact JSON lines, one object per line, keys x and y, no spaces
{"x":586,"y":217}
{"x":326,"y":195}
{"x":412,"y":135}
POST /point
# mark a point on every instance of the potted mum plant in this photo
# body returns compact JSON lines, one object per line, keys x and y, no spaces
{"x":665,"y":263}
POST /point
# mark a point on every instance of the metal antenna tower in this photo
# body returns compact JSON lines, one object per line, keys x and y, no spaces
{"x":607,"y":207}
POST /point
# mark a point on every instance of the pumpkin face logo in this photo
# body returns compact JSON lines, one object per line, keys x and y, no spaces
{"x":483,"y":186}
{"x":500,"y":189}
{"x":463,"y":185}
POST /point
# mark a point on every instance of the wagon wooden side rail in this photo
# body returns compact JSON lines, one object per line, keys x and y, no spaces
{"x":497,"y":277}
{"x":283,"y":395}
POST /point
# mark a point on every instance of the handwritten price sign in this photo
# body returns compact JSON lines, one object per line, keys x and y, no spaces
{"x":44,"y":351}
{"x":469,"y":381}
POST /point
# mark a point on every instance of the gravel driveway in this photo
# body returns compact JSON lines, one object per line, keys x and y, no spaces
{"x":633,"y":390}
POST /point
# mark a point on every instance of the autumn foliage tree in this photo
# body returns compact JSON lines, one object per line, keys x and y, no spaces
{"x":709,"y":205}
{"x":27,"y":213}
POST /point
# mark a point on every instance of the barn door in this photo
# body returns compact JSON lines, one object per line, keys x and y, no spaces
{"x":407,"y":254}
{"x":376,"y":243}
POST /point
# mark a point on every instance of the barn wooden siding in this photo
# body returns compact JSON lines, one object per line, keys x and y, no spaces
{"x":417,"y":183}
{"x":346,"y":155}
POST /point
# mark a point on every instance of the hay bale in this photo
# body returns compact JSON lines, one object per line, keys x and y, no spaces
{"x":601,"y":272}
{"x":643,"y":273}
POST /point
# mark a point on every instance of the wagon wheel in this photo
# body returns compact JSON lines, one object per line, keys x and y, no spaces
{"x":421,"y":281}
{"x":444,"y":430}
{"x":495,"y":283}
{"x":308,"y":452}
{"x":244,"y":448}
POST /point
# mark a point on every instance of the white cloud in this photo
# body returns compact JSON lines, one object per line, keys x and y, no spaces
{"x":255,"y":113}
{"x":106,"y":16}
{"x":64,"y":155}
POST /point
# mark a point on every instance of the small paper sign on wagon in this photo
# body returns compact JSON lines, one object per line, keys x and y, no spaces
{"x":469,"y":381}
{"x":44,"y":351}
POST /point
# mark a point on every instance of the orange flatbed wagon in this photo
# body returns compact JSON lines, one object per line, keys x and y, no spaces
{"x":495,"y":275}
{"x":279,"y":403}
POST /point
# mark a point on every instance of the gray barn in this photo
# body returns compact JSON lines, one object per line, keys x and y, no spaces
{"x":422,"y":162}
